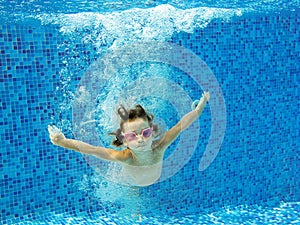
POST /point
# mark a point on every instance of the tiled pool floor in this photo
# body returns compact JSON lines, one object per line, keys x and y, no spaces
{"x":285,"y":213}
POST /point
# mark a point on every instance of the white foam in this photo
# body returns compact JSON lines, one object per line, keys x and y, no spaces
{"x":157,"y":23}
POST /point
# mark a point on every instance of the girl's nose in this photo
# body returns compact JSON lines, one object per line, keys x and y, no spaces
{"x":140,"y":139}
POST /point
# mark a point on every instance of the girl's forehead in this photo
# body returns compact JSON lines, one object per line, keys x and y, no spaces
{"x":135,"y":125}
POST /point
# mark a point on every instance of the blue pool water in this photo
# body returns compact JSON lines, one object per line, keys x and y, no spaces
{"x":248,"y":136}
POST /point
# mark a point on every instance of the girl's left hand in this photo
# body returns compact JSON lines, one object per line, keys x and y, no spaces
{"x":205,"y":96}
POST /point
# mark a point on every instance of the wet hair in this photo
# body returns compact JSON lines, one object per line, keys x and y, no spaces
{"x":129,"y":115}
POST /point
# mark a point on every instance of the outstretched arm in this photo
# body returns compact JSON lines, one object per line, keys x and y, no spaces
{"x":59,"y":139}
{"x":185,"y":121}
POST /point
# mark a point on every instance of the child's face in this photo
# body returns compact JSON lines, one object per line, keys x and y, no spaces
{"x":140,"y":137}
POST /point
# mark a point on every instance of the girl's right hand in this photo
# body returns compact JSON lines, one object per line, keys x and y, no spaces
{"x":56,"y":136}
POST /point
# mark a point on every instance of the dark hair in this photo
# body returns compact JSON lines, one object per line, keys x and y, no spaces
{"x":130,"y":115}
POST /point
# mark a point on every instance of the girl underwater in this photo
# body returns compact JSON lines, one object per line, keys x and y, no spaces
{"x":142,"y":158}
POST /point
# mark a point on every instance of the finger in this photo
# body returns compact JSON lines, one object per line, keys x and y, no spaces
{"x":55,"y":129}
{"x":50,"y":130}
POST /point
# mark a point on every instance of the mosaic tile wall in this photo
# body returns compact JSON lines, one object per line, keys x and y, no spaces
{"x":255,"y":60}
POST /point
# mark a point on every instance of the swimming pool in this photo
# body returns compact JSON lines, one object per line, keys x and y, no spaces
{"x":252,"y":53}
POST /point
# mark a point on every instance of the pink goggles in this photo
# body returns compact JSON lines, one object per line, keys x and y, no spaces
{"x":130,"y":136}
